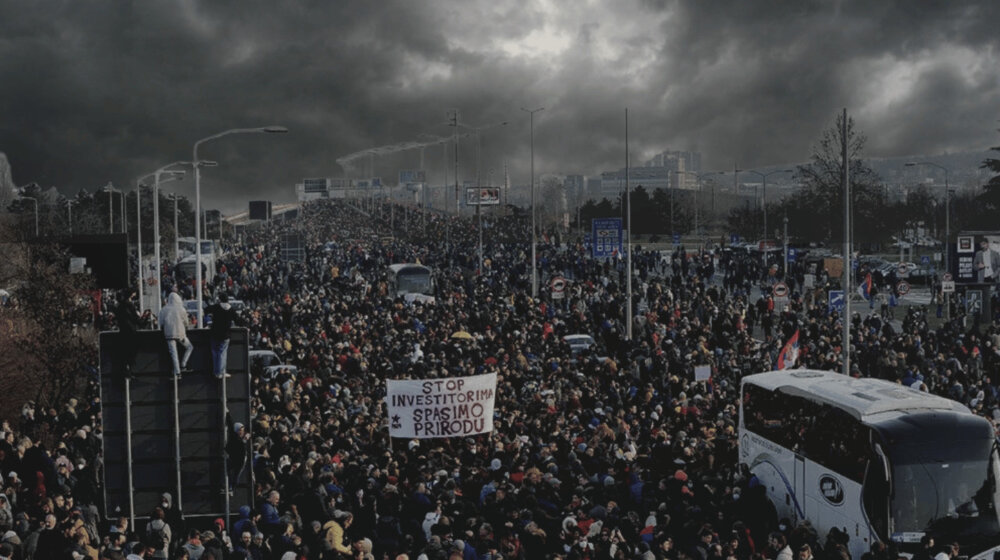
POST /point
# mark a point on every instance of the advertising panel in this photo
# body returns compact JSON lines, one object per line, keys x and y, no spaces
{"x":977,"y":258}
{"x":482,"y":196}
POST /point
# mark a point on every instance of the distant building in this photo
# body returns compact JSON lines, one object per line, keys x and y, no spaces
{"x":651,"y":178}
{"x":576,"y":188}
{"x":320,"y":188}
{"x":677,"y":160}
{"x":659,"y":172}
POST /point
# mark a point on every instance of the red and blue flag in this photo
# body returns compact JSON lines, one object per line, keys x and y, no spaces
{"x":865,"y":289}
{"x":790,"y":353}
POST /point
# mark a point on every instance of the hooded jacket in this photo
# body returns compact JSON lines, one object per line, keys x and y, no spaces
{"x":160,"y":527}
{"x":173,"y":317}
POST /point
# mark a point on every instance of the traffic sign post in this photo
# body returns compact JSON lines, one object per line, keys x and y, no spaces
{"x":836,"y":301}
{"x":558,"y":287}
{"x":947,"y":288}
{"x":607,"y":233}
{"x":780,"y":290}
{"x":902,"y":288}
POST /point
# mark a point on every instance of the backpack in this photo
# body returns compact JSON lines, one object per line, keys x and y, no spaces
{"x":158,"y":537}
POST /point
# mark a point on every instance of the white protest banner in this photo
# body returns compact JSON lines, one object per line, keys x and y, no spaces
{"x":432,"y":408}
{"x":702,"y":373}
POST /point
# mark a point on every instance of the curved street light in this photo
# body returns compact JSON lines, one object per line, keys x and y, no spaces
{"x":21,"y":189}
{"x":699,"y":177}
{"x":763,"y":198}
{"x":168,"y":175}
{"x":272,"y":129}
{"x":534,"y":235}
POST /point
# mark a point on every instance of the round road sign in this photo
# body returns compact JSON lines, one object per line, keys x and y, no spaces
{"x":558,"y":284}
{"x":946,"y":277}
{"x":903,"y":270}
{"x":903,"y":287}
{"x":780,"y":289}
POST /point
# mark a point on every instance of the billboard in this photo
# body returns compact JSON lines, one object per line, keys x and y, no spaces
{"x":482,"y":196}
{"x":157,"y":440}
{"x":260,"y":210}
{"x":411,"y":176}
{"x":977,"y":258}
{"x":607,"y":236}
{"x":105,"y":255}
{"x":314,"y":185}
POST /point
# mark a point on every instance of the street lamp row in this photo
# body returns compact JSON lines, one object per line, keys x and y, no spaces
{"x":196,"y":163}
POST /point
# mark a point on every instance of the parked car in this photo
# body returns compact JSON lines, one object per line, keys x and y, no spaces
{"x":270,"y":372}
{"x":191,"y":305}
{"x":922,"y":274}
{"x":579,"y":342}
{"x":260,"y":360}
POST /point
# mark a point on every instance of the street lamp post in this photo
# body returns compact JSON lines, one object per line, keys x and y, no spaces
{"x":110,"y":189}
{"x":197,"y":202}
{"x":785,"y":238}
{"x":69,"y":215}
{"x":170,"y":175}
{"x":698,"y":177}
{"x":138,"y":236}
{"x":534,"y":241}
{"x":35,"y":201}
{"x":947,"y":212}
{"x":763,"y":204}
{"x":947,"y":227}
{"x":479,"y":216}
{"x":177,"y":252}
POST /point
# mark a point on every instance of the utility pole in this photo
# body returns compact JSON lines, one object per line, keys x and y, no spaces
{"x":454,"y":123}
{"x":534,"y":236}
{"x":628,"y":246}
{"x":846,"y":278}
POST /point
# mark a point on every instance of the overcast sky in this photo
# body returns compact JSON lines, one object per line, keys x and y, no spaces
{"x":92,"y":92}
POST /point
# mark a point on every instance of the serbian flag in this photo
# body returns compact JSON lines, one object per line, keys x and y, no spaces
{"x":865,"y":289}
{"x":790,"y":353}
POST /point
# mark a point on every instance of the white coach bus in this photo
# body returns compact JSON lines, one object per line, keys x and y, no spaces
{"x":880,"y":461}
{"x":415,"y":282}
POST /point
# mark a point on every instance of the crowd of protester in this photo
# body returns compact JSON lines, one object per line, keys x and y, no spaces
{"x":613,"y":453}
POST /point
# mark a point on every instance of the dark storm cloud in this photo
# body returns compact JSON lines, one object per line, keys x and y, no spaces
{"x":104,"y":91}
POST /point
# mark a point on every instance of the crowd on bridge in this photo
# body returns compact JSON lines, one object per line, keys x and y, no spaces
{"x":613,"y":453}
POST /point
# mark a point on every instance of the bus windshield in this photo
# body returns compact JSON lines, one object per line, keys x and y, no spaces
{"x":414,"y":280}
{"x":945,"y":487}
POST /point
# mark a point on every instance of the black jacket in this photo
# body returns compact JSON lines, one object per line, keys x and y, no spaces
{"x":223,"y":317}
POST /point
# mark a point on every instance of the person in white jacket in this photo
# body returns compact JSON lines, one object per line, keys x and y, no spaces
{"x":173,"y":321}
